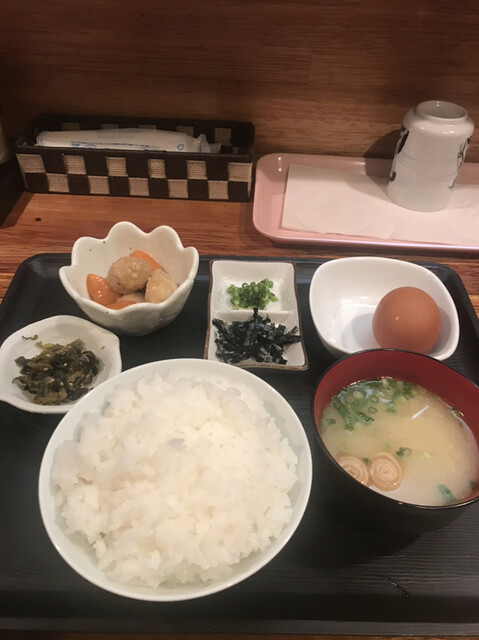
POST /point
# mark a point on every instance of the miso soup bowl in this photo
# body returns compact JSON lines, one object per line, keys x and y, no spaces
{"x":352,"y":501}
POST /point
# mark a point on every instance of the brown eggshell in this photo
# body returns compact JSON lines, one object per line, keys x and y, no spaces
{"x":407,"y":318}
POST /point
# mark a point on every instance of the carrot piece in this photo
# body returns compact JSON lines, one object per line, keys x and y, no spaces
{"x":147,"y":258}
{"x":100,"y":290}
{"x":120,"y":304}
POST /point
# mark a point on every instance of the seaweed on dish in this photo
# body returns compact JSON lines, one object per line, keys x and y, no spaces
{"x":268,"y":335}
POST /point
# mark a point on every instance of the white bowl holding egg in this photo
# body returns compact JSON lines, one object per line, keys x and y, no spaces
{"x":96,"y":255}
{"x":345,"y":293}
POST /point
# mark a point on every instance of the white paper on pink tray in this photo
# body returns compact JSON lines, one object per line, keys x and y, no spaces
{"x":340,"y":202}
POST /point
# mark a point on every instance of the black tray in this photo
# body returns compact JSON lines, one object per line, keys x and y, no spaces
{"x":329,"y":579}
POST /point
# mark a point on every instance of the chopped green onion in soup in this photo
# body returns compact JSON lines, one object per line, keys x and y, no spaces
{"x":430,"y":443}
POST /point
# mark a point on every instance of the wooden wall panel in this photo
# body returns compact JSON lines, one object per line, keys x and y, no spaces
{"x":316,"y":76}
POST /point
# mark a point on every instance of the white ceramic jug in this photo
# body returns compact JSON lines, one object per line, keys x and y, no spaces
{"x":430,"y":151}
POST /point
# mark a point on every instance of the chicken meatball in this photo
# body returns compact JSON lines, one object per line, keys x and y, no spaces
{"x":128,"y":274}
{"x":159,"y":287}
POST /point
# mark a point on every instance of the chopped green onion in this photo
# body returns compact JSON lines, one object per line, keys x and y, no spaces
{"x":358,"y":402}
{"x":408,"y":390}
{"x":473,"y":485}
{"x":325,"y":423}
{"x":403,"y":452}
{"x":449,"y":498}
{"x":365,"y":419}
{"x":252,"y":294}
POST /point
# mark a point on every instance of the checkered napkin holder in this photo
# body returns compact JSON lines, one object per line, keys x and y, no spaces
{"x":223,"y":176}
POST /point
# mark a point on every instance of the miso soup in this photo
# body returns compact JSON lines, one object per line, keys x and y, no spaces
{"x":402,"y":441}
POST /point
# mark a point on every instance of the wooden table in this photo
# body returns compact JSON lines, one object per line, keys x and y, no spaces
{"x":51,"y":223}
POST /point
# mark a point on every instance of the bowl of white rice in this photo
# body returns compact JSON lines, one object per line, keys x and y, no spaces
{"x":175,"y":480}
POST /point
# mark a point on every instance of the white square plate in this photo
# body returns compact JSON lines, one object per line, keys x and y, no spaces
{"x":224,"y":273}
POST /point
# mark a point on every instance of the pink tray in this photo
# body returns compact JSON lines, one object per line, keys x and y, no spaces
{"x":271,"y":176}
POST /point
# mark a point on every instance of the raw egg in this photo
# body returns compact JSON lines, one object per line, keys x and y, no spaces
{"x":407,"y":318}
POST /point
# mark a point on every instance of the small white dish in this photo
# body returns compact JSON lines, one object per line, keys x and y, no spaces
{"x":76,"y":551}
{"x":284,"y":310}
{"x":96,"y":255}
{"x":56,"y":329}
{"x":344,"y":294}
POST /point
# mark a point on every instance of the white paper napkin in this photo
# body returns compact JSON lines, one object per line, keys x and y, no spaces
{"x":327,"y":201}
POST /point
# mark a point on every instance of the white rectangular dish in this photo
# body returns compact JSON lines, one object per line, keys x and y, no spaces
{"x":270,"y":188}
{"x":284,"y":310}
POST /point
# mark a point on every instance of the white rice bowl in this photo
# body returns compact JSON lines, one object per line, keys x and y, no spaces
{"x":175,"y":480}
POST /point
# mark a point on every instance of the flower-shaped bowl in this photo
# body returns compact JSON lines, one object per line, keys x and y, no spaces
{"x":96,"y":255}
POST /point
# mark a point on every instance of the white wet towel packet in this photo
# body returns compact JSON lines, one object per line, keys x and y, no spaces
{"x":129,"y":139}
{"x":328,"y":201}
